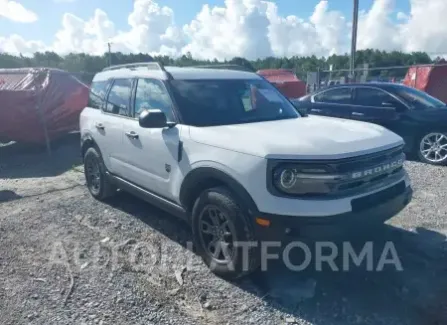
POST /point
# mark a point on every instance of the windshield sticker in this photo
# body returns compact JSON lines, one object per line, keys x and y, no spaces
{"x":247,"y":101}
{"x":270,"y":95}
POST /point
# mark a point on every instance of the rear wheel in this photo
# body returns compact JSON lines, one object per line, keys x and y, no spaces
{"x":223,"y":234}
{"x":433,"y":148}
{"x":95,"y":175}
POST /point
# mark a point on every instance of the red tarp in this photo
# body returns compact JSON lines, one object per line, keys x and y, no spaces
{"x":33,"y":99}
{"x":431,"y":79}
{"x":286,"y":81}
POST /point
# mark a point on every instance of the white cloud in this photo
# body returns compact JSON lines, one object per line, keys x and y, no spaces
{"x":14,"y":11}
{"x":238,"y":29}
{"x":77,"y":35}
{"x":152,"y":30}
{"x":401,"y":16}
{"x":425,"y":29}
{"x":16,"y":44}
{"x":325,"y":32}
{"x":377,"y":30}
{"x":247,"y":28}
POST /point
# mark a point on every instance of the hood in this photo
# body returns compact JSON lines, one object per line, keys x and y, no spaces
{"x":313,"y":137}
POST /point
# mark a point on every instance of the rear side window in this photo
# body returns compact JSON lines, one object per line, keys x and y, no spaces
{"x":97,"y":94}
{"x":118,"y":101}
{"x":335,"y":96}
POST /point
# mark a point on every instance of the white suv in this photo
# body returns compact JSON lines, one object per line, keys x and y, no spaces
{"x":224,"y":150}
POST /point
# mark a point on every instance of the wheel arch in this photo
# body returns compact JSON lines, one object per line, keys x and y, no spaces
{"x":202,"y":178}
{"x":87,"y":141}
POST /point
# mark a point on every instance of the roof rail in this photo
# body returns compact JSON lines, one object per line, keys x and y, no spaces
{"x":152,"y":65}
{"x":224,"y":66}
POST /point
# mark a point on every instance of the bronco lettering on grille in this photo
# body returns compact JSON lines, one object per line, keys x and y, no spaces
{"x":379,"y":169}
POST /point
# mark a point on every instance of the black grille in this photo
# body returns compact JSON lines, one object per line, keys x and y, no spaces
{"x":381,"y":197}
{"x":347,"y":185}
{"x":366,"y":161}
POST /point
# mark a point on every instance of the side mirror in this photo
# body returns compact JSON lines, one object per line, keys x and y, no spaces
{"x":152,"y":118}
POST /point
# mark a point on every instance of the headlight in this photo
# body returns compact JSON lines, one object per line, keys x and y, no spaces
{"x":304,"y":180}
{"x":287,"y":178}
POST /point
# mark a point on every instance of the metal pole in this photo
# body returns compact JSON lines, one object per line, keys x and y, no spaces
{"x":318,"y":78}
{"x":331,"y":67}
{"x":355,"y":17}
{"x":109,"y":46}
{"x":416,"y":78}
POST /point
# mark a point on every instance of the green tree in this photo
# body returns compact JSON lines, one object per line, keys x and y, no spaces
{"x":87,"y":65}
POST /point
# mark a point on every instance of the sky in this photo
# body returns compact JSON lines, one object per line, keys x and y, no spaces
{"x":221,"y":29}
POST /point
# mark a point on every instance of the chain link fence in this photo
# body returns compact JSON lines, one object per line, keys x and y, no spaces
{"x":431,"y":78}
{"x":428,"y":77}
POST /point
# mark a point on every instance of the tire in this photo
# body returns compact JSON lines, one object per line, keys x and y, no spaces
{"x":239,"y":225}
{"x":99,"y":184}
{"x":423,"y":145}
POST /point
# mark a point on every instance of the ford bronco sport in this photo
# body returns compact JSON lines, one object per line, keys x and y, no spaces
{"x":227,"y":152}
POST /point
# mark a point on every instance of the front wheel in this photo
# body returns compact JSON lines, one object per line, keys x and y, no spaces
{"x":223,"y":234}
{"x":98,"y":183}
{"x":433,"y":148}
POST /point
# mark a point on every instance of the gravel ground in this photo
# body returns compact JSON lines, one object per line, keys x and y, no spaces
{"x":68,"y":259}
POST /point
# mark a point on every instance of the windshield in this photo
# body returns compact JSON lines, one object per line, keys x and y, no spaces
{"x":230,"y":101}
{"x":418,"y":99}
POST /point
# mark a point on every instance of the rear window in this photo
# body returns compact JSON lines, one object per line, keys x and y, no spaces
{"x":118,"y":101}
{"x":224,"y":102}
{"x":98,"y":91}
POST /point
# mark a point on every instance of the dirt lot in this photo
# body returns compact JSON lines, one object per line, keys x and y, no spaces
{"x":68,"y":259}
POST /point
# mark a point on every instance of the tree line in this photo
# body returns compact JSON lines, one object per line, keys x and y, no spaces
{"x":86,"y":65}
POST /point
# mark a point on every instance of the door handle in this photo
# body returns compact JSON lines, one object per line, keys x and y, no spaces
{"x":99,"y":126}
{"x":357,"y":114}
{"x":132,"y":135}
{"x":316,"y":110}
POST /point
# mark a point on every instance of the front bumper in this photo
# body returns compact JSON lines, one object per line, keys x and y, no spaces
{"x":376,"y":209}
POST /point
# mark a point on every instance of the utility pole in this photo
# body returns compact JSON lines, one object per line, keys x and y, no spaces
{"x":355,"y":18}
{"x":109,"y":46}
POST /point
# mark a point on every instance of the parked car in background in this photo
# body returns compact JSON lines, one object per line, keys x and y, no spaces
{"x":413,"y":114}
{"x":286,"y":81}
{"x":39,"y":104}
